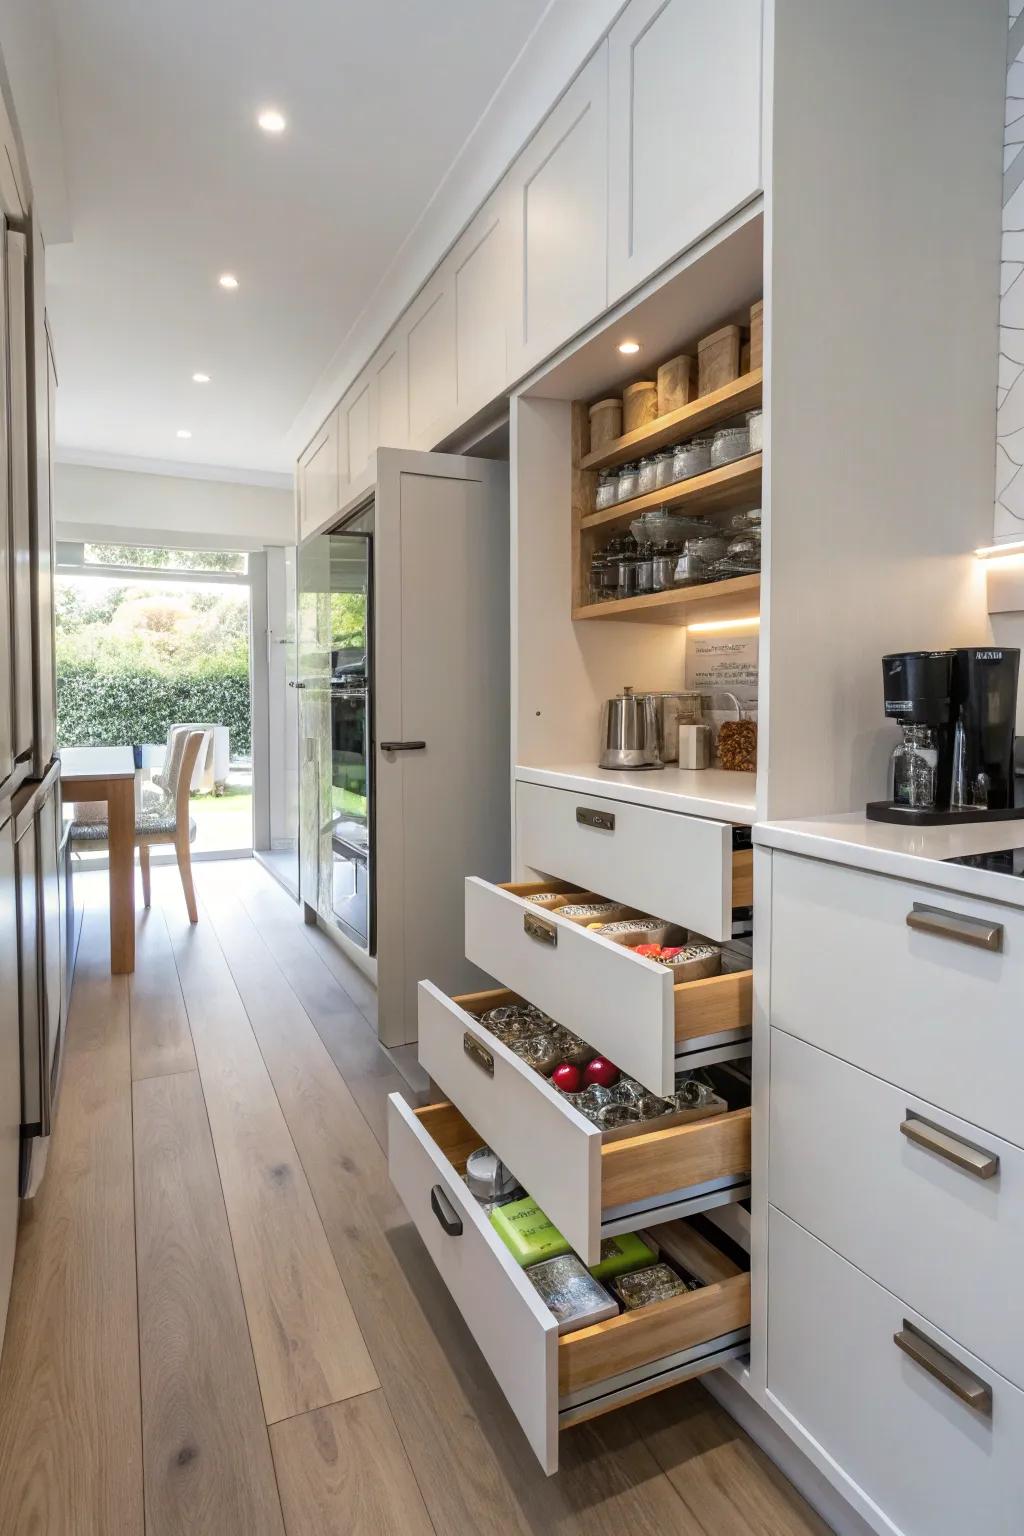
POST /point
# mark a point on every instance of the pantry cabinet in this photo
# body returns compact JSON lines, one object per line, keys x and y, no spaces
{"x":481,"y":270}
{"x":319,"y":476}
{"x":684,"y":120}
{"x":433,"y":389}
{"x":357,"y":426}
{"x":389,"y":368}
{"x":557,"y":196}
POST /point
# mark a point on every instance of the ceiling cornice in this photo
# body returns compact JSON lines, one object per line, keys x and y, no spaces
{"x":174,"y":468}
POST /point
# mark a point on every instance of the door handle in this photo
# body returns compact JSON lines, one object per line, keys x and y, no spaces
{"x":972,"y":1159}
{"x":958,"y":926}
{"x":970,"y":1389}
{"x":445,"y":1212}
{"x":403,"y":746}
{"x":292,"y":683}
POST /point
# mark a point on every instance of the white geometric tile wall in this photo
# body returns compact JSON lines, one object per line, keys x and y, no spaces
{"x":1009,"y":510}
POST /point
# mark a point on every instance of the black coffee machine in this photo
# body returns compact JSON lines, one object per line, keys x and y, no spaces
{"x":957,"y":711}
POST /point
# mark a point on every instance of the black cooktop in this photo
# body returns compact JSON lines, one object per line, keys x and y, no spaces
{"x":1007,"y":861}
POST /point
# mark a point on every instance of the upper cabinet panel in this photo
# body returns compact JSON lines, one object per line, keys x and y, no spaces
{"x":392,"y":381}
{"x":481,"y":271}
{"x":557,"y":195}
{"x":685,"y":136}
{"x":431,"y":361}
{"x":358,"y":425}
{"x":319,"y":479}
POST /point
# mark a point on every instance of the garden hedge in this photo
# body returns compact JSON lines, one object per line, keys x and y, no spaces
{"x":126,"y":708}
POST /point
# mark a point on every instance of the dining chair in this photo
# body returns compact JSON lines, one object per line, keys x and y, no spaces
{"x":161,"y":821}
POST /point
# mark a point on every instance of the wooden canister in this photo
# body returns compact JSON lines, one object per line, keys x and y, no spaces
{"x":676,"y":383}
{"x":639,"y":404}
{"x":718,"y":359}
{"x":605,"y":423}
{"x":757,"y":334}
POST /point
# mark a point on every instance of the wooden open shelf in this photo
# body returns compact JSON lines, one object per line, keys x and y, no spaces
{"x":743,"y":394}
{"x":737,"y":598}
{"x":733,"y":485}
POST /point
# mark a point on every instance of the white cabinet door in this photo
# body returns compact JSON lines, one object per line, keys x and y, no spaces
{"x":319,"y":479}
{"x":358,"y":426}
{"x":431,"y":361}
{"x":481,"y":273}
{"x":557,"y":194}
{"x":684,"y":93}
{"x":391,"y":381}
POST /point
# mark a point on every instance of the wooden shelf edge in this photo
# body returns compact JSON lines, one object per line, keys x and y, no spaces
{"x":713,"y":486}
{"x":742,"y":394}
{"x":665,"y":603}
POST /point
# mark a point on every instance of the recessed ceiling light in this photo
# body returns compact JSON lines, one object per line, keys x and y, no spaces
{"x":200,"y":378}
{"x":629,"y":347}
{"x":228,"y":280}
{"x":184,"y":432}
{"x":272,"y":121}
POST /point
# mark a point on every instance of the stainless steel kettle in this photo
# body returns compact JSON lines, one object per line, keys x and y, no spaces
{"x":631,"y":731}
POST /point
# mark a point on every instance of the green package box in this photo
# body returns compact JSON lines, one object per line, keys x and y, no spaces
{"x":527,"y":1233}
{"x":620,"y":1254}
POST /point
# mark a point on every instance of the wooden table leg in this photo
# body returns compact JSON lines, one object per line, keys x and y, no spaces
{"x":121,"y":822}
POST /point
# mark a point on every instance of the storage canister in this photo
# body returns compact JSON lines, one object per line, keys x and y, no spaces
{"x":647,"y":475}
{"x":755,"y":426}
{"x":693,"y":458}
{"x":627,"y":482}
{"x":607,"y":490}
{"x":639,"y":404}
{"x":729,"y":444}
{"x":663,"y":469}
{"x":605,"y":423}
{"x":718,"y":359}
{"x":676,"y":383}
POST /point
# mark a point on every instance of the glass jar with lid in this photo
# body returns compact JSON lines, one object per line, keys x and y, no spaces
{"x":663,"y":469}
{"x":664,"y":567}
{"x":693,"y":458}
{"x":626,"y":568}
{"x":698,"y":559}
{"x":647,"y":475}
{"x":607,"y":490}
{"x":627,"y":482}
{"x":645,"y":569}
{"x":755,"y":426}
{"x":729,"y":444}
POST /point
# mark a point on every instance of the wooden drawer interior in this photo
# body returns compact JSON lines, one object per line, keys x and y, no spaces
{"x":611,"y":1350}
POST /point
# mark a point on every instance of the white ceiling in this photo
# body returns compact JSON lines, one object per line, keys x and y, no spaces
{"x":169,"y":182}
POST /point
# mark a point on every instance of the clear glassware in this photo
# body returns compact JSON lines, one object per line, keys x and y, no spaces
{"x":607,"y":490}
{"x":664,"y":567}
{"x":626,"y":485}
{"x":693,"y":458}
{"x":645,"y":569}
{"x":647,"y":475}
{"x":728,"y":444}
{"x":663,"y":469}
{"x":913,"y":767}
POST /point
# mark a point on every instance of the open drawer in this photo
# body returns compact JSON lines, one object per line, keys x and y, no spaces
{"x":552,"y":1382}
{"x":589,"y":1187}
{"x":625,"y":1005}
{"x":688,"y":869}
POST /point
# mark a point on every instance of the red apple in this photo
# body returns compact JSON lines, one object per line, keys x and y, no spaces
{"x":566,"y":1077}
{"x":601,"y":1071}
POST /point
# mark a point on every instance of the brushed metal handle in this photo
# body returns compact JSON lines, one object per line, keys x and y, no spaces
{"x":538,"y":928}
{"x":478,"y":1054}
{"x":971,"y":1158}
{"x":970,"y":1389}
{"x":604,"y":821}
{"x":403,"y":746}
{"x":445,"y":1212}
{"x":292,"y":684}
{"x":962,"y":929}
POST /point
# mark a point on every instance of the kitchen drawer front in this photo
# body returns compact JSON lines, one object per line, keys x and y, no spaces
{"x":550,"y":1382}
{"x":948,"y":1238}
{"x":938,"y":1017}
{"x":624,"y":1005}
{"x":673,"y":866}
{"x":933,"y":1464}
{"x":589,"y":1190}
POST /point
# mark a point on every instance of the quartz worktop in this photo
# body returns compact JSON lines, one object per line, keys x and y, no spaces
{"x":909,"y":853}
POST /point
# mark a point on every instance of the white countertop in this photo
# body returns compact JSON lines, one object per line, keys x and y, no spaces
{"x":711,"y":792}
{"x":910,"y":853}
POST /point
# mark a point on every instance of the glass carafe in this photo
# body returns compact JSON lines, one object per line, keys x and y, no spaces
{"x":913,"y":767}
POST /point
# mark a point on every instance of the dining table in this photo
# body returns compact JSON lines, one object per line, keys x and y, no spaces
{"x":108,"y":774}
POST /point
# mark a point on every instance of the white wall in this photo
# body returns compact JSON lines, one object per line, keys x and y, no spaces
{"x":115,"y":503}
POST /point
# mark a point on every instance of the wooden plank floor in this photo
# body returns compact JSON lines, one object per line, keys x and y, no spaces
{"x":222,"y":1322}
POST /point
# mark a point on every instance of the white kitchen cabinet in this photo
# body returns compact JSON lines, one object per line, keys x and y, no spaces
{"x":557,"y":193}
{"x":684,"y":119}
{"x":391,"y":381}
{"x":430,"y":329}
{"x":481,"y":275}
{"x":320,"y":478}
{"x":357,"y":426}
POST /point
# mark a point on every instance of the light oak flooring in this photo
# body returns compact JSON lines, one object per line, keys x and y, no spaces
{"x":222,"y":1323}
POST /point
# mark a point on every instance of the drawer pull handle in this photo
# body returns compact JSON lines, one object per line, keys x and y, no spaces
{"x":977,"y":931}
{"x":972,"y":1159}
{"x":403,"y":746}
{"x":478,"y":1053}
{"x":540,"y":929}
{"x":970,"y":1389}
{"x":604,"y":821}
{"x":445,"y":1212}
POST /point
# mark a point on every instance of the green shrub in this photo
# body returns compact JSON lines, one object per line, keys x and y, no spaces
{"x":127,"y":703}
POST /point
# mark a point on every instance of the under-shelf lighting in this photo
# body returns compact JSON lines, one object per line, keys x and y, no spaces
{"x":1013,"y":549}
{"x":711,"y":624}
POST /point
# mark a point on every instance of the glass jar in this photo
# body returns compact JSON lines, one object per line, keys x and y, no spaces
{"x":645,"y":569}
{"x":665,"y":567}
{"x":755,"y":427}
{"x":698,"y":559}
{"x":913,"y":767}
{"x":693,"y":458}
{"x":607,"y":490}
{"x":627,"y":482}
{"x":729,"y":444}
{"x":625,"y":569}
{"x":663,"y":469}
{"x":647,"y":475}
{"x":598,"y":571}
